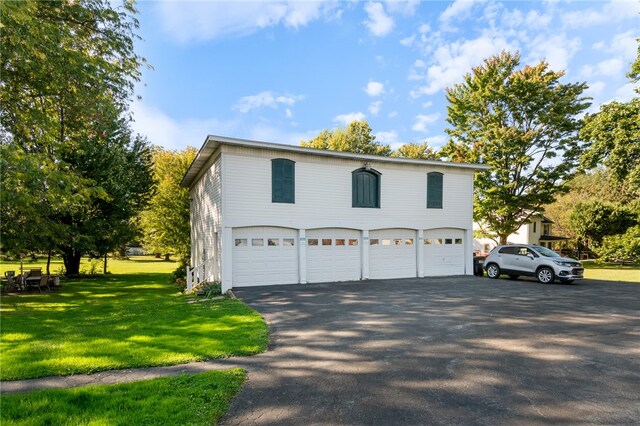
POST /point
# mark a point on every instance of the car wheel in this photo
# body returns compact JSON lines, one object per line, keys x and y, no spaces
{"x":545,"y":275}
{"x":493,"y":271}
{"x":514,"y":277}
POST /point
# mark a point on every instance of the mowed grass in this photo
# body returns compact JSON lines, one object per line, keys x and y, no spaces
{"x":132,"y":318}
{"x":199,"y":399}
{"x":611,"y":272}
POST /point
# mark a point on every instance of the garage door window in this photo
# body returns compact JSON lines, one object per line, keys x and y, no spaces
{"x":282,"y":181}
{"x":288,"y":242}
{"x":458,"y":240}
{"x":374,"y":242}
{"x":353,"y":242}
{"x":434,"y":190}
{"x":313,"y":241}
{"x":326,"y":241}
{"x":427,"y":241}
{"x":365,"y":188}
{"x":257,"y":242}
{"x":241,"y":242}
{"x":273,"y":242}
{"x":448,"y":241}
{"x":339,"y":242}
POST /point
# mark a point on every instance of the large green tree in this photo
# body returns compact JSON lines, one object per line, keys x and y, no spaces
{"x":165,"y":222}
{"x":521,"y":122}
{"x":357,"y":137}
{"x":67,"y":72}
{"x":594,"y":220}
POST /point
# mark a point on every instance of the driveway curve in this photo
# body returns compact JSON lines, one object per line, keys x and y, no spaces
{"x":455,"y":350}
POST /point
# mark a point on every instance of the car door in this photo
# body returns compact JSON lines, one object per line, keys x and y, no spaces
{"x":506,"y":257}
{"x":524,"y":260}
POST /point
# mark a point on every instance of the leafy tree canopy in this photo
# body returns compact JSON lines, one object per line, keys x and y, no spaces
{"x":593,"y":220}
{"x":357,"y":138}
{"x":524,"y":124}
{"x":67,"y":73}
{"x":421,"y":151}
{"x":165,"y":222}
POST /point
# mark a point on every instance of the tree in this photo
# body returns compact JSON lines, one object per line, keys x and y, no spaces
{"x":165,"y":222}
{"x":357,"y":138}
{"x":67,"y":73}
{"x":624,"y":246}
{"x":421,"y":151}
{"x":594,"y":220}
{"x":524,"y":124}
{"x":614,"y":137}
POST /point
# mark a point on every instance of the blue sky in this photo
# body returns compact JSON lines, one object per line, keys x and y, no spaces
{"x":282,"y":71}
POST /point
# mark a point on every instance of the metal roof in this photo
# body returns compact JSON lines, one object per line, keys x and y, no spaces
{"x":212,"y":142}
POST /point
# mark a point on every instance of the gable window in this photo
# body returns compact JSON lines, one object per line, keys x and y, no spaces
{"x":534,"y":226}
{"x":365,"y":188}
{"x":434,"y":190}
{"x":283,"y":181}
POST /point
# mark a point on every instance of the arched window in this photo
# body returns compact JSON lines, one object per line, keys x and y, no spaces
{"x":434,"y":190}
{"x":283,"y":180}
{"x":365,"y":188}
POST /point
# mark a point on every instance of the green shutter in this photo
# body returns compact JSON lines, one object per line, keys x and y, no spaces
{"x":434,"y":190}
{"x":282,"y":181}
{"x":365,"y":189}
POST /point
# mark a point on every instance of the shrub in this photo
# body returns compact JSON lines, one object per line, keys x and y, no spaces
{"x":179,"y":276}
{"x":621,"y":246}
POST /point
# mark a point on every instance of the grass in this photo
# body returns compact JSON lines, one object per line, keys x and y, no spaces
{"x":611,"y":271}
{"x":198,"y":399}
{"x":132,"y":318}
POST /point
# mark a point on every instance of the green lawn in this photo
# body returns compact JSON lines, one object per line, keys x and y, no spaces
{"x":132,"y":318}
{"x":611,"y":272}
{"x":199,"y":399}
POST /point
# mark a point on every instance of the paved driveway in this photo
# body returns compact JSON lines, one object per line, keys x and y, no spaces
{"x":461,"y":350}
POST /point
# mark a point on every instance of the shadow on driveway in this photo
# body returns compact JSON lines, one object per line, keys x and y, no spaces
{"x":455,"y":350}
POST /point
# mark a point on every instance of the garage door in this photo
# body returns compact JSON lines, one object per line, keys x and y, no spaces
{"x":392,"y":253}
{"x":264,"y":255}
{"x":443,"y":252}
{"x":333,"y":255}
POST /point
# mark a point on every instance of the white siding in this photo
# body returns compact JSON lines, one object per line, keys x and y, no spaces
{"x":323,"y":194}
{"x":206,"y":209}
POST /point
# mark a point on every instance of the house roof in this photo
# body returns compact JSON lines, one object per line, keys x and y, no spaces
{"x":552,"y":238}
{"x":212,"y":143}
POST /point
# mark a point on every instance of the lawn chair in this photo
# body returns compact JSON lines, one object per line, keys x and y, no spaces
{"x":34,"y":278}
{"x":12,"y":281}
{"x":44,"y":282}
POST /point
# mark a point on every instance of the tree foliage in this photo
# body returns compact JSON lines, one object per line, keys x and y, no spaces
{"x":621,"y":247}
{"x":524,"y":124}
{"x":67,"y":73}
{"x":594,"y":220}
{"x":357,"y":138}
{"x":165,"y":222}
{"x":421,"y":151}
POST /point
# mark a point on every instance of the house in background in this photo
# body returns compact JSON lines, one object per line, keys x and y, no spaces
{"x":266,"y":213}
{"x":537,"y":231}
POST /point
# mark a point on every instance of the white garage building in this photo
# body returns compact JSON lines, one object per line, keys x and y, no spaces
{"x":265,"y":213}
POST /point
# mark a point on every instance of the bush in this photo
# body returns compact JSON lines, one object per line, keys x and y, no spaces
{"x":211,"y":289}
{"x":622,"y":246}
{"x":179,"y":276}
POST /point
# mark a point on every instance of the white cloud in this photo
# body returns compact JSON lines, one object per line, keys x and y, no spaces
{"x":436,"y":141}
{"x":345,"y":119}
{"x":459,"y":9}
{"x":288,"y":113}
{"x":264,"y":99}
{"x":374,"y":88}
{"x":393,"y":114}
{"x":389,"y":138}
{"x":421,"y":121}
{"x":262,"y":132}
{"x":408,"y":41}
{"x":613,"y":11}
{"x":427,"y":104}
{"x":451,"y":61}
{"x":595,"y":88}
{"x":206,"y":20}
{"x":170,"y":133}
{"x":557,"y":50}
{"x":379,"y":23}
{"x":374,"y":107}
{"x":406,"y":7}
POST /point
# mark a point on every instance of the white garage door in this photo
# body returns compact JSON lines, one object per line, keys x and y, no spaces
{"x":333,"y":255}
{"x":443,"y":252}
{"x":264,"y":255}
{"x":392,"y":253}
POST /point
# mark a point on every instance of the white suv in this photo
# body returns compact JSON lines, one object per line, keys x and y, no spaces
{"x":536,"y":261}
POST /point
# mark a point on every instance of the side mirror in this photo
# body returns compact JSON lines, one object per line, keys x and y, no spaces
{"x":530,"y":256}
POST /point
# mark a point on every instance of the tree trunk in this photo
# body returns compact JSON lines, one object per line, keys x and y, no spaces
{"x":104,"y":269}
{"x":71,"y":259}
{"x":166,"y":257}
{"x":503,"y":239}
{"x":48,"y":262}
{"x":158,"y":256}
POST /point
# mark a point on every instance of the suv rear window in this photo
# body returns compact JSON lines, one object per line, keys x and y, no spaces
{"x":509,"y":250}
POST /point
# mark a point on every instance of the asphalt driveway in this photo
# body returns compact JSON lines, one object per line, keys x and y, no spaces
{"x":460,"y":350}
